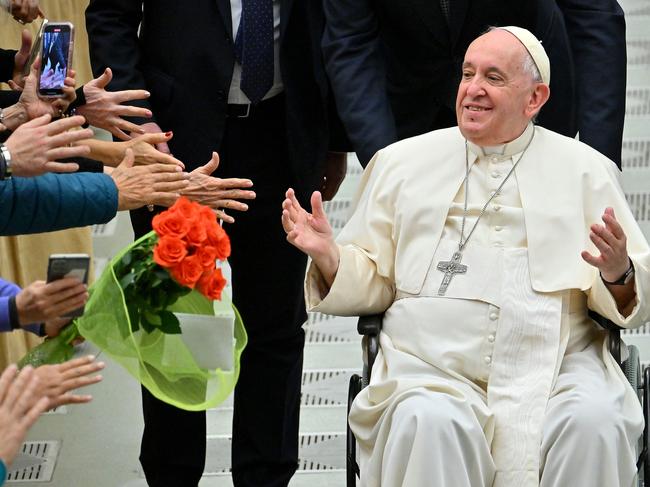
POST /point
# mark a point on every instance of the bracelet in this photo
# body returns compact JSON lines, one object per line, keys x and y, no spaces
{"x":14,"y":322}
{"x":5,"y":157}
{"x":624,"y":279}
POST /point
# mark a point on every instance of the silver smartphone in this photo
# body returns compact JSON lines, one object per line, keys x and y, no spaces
{"x":69,"y":265}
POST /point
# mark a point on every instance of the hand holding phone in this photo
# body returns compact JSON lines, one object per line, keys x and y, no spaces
{"x":56,"y":58}
{"x":69,"y":265}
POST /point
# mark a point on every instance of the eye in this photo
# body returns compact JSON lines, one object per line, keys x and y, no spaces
{"x":467,"y":74}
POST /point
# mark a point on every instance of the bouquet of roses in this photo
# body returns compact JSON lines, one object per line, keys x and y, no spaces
{"x":156,"y":302}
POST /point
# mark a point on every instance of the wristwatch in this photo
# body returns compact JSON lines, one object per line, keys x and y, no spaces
{"x":5,"y":162}
{"x":627,"y":276}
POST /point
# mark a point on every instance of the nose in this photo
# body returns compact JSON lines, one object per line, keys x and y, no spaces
{"x":475,"y":87}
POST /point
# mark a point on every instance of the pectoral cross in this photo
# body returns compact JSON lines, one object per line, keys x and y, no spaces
{"x":450,"y":268}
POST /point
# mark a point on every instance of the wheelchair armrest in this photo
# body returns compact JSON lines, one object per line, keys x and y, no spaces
{"x":370,"y":324}
{"x":614,"y":334}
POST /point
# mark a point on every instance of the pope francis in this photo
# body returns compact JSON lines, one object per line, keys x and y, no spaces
{"x":486,"y":244}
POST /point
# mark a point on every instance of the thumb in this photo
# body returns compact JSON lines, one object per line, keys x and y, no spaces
{"x":317,"y":209}
{"x":128,"y":160}
{"x":104,"y":79}
{"x":211,"y":166}
{"x":156,"y":138}
{"x":25,"y":45}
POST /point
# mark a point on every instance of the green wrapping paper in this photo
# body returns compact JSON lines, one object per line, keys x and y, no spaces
{"x":161,"y":362}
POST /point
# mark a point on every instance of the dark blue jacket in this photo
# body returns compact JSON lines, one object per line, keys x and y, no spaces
{"x":55,"y":202}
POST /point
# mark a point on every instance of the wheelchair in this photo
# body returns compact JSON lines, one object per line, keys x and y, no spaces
{"x":370,"y":326}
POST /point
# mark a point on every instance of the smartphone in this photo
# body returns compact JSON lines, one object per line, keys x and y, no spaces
{"x":56,"y":58}
{"x":36,"y":48}
{"x":69,"y":265}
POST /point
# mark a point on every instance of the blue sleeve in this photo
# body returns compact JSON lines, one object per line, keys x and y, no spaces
{"x":596,"y":31}
{"x":55,"y":202}
{"x":7,"y":289}
{"x":355,"y":66}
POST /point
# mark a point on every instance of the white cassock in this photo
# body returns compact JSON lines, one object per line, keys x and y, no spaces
{"x":504,"y":380}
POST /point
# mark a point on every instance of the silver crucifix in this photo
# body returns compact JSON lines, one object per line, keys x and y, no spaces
{"x":450,"y":268}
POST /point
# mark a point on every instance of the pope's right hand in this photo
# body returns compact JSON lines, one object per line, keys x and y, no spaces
{"x":311,"y":233}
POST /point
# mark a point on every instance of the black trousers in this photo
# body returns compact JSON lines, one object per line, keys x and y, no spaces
{"x":267,"y":279}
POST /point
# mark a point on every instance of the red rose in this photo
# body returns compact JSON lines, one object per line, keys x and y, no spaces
{"x":207,"y":255}
{"x":188,"y":272}
{"x":218,"y":239}
{"x":169,"y":251}
{"x":211,"y":284}
{"x":188,"y":209}
{"x":197,"y":233}
{"x":171,"y":224}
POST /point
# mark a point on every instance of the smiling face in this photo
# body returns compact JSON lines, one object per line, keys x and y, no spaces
{"x":496,"y":96}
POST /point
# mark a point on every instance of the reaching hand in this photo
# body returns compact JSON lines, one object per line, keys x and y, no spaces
{"x":311,"y":232}
{"x":36,"y":106}
{"x":25,"y":11}
{"x":217,"y":193}
{"x":611,"y":241}
{"x":56,"y":381}
{"x":21,"y":404}
{"x":35,"y":146}
{"x":155,"y":184}
{"x":145,"y":152}
{"x":153,"y":128}
{"x":104,"y":109}
{"x":41,"y":301}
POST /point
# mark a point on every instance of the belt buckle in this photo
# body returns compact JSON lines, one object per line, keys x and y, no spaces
{"x":248,"y":111}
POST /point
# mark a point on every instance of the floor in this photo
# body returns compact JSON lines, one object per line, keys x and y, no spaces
{"x":97,"y":445}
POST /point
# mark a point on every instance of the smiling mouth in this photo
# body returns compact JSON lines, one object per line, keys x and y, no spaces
{"x":477,"y":109}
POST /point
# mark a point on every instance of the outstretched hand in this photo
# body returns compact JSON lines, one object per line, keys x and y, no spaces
{"x":311,"y":232}
{"x":611,"y":242}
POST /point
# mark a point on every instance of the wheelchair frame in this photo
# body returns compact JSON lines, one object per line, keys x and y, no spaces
{"x":370,"y":327}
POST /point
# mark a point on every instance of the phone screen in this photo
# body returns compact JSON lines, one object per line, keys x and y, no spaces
{"x":54,"y":59}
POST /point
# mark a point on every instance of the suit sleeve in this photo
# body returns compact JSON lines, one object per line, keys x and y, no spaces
{"x":112,"y":27}
{"x":596,"y":31}
{"x":7,"y":59}
{"x":356,"y":69}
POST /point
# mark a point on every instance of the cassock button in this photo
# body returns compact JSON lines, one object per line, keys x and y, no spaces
{"x":494,"y":316}
{"x":495,"y":174}
{"x":497,"y":208}
{"x":491,"y":338}
{"x":494,"y":158}
{"x":487,"y":359}
{"x":498,"y":228}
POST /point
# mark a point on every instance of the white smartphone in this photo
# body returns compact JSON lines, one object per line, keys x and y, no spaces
{"x":56,"y":58}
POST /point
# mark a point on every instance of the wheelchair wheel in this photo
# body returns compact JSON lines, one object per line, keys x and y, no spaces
{"x":351,"y":467}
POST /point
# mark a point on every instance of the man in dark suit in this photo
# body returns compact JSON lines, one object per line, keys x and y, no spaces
{"x":395,"y":66}
{"x":204,"y":62}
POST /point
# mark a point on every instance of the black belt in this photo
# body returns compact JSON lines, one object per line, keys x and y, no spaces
{"x":246,"y":110}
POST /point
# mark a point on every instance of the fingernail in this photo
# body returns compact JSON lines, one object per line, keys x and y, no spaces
{"x":169,"y":134}
{"x":90,"y":357}
{"x":146,"y":93}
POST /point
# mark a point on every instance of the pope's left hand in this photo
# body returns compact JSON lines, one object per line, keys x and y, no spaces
{"x":611,"y":241}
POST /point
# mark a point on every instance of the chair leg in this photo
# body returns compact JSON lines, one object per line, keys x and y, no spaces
{"x":351,"y":467}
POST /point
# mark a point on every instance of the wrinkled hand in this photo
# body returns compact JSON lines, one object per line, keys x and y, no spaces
{"x":41,"y":301}
{"x":35,"y":146}
{"x":311,"y":232}
{"x":336,"y":165}
{"x":145,"y":152}
{"x":21,"y":404}
{"x":217,"y":193}
{"x":56,"y":381}
{"x":25,"y":11}
{"x":155,"y":184}
{"x":104,"y":109}
{"x":36,"y":106}
{"x":611,"y":241}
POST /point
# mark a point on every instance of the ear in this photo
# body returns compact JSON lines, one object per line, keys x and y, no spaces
{"x":539,"y":96}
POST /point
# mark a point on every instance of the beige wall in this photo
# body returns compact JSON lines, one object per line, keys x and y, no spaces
{"x":24,"y":259}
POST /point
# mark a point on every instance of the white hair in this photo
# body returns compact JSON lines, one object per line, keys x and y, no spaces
{"x":528,"y":63}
